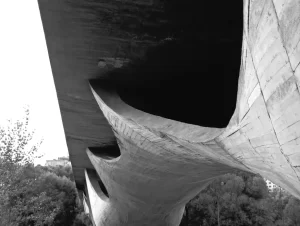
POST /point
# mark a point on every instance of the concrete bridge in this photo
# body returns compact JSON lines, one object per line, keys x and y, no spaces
{"x":158,"y":99}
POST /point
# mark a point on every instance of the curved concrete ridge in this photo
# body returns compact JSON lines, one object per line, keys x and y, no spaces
{"x":156,"y":128}
{"x":161,"y":140}
{"x":133,"y":191}
{"x":264,"y":131}
{"x":153,"y":164}
{"x":98,"y":201}
{"x":131,"y":211}
{"x":104,"y":160}
{"x":193,"y":133}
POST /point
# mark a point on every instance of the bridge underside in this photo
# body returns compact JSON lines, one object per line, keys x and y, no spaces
{"x":159,"y":98}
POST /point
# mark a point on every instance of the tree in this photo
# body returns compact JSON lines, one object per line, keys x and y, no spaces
{"x":17,"y":149}
{"x":16,"y":145}
{"x":232,"y":200}
{"x":31,"y":195}
{"x":82,"y":219}
{"x":291,"y":212}
{"x":43,"y":198}
{"x":61,"y":171}
{"x":280,"y":199}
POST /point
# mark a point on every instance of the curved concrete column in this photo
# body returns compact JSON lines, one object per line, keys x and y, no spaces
{"x":101,"y":208}
{"x":85,"y":205}
{"x":164,"y":163}
{"x":264,"y":130}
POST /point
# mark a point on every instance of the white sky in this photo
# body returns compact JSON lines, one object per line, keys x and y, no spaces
{"x":26,"y":76}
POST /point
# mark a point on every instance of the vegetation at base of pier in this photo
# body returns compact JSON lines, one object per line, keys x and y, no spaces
{"x":34,"y":195}
{"x":242,"y":199}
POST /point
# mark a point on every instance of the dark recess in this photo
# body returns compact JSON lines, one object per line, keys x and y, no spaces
{"x":95,"y":175}
{"x":103,"y":188}
{"x":80,"y":187}
{"x":106,"y":152}
{"x":193,"y":77}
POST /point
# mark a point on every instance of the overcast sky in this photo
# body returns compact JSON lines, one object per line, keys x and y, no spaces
{"x":26,"y":77}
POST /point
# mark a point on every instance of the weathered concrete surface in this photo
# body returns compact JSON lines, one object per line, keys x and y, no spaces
{"x":163,"y":163}
{"x":264,"y":130}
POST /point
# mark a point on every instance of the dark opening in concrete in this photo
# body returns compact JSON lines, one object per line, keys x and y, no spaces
{"x":103,"y":188}
{"x":95,"y":181}
{"x":106,"y":152}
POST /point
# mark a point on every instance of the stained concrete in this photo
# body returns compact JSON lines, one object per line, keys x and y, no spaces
{"x":156,"y":164}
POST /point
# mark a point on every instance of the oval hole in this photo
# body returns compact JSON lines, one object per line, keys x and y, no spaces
{"x":106,"y":152}
{"x":103,"y":188}
{"x":97,"y":184}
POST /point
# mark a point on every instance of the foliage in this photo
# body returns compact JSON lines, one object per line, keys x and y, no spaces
{"x":33,"y":195}
{"x":61,"y":171}
{"x":17,"y":150}
{"x":291,"y":211}
{"x":82,"y":219}
{"x":40,"y":197}
{"x":16,"y":142}
{"x":241,"y":199}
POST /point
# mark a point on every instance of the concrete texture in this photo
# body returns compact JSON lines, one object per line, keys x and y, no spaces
{"x":159,"y":164}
